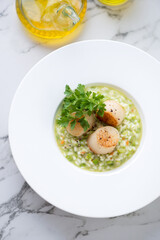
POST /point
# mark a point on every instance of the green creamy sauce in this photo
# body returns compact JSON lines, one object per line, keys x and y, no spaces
{"x":75,"y":149}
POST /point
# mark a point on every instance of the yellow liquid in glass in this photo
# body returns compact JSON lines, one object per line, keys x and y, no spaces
{"x":44,"y":19}
{"x":113,"y":2}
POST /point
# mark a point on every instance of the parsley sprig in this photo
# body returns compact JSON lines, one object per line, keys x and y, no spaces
{"x":79,"y":103}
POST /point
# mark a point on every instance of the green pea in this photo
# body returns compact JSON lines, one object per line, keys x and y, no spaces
{"x":96,"y":161}
{"x":89,"y":156}
{"x":82,"y":165}
{"x":121,"y":150}
{"x":110,"y":163}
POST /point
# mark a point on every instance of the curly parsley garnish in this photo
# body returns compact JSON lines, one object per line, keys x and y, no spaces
{"x":79,"y":103}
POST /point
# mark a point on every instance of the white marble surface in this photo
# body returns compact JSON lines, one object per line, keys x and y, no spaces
{"x":23,"y":214}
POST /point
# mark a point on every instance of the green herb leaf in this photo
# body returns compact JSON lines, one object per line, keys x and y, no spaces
{"x":84,"y":123}
{"x":63,"y":122}
{"x":68,"y":90}
{"x":78,"y":104}
{"x":100,"y":112}
{"x":79,"y":114}
{"x":81,"y":88}
{"x":73,"y":123}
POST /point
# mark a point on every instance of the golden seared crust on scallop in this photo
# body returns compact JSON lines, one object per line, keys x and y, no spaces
{"x":114,"y":113}
{"x":78,"y":130}
{"x":109,"y":119}
{"x":107,"y":136}
{"x":103,"y":140}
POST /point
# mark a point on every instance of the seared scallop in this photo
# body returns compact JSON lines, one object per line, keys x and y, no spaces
{"x":78,"y":130}
{"x":103,"y":140}
{"x":114,"y":113}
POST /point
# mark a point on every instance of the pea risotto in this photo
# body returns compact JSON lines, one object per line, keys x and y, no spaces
{"x":115,"y":115}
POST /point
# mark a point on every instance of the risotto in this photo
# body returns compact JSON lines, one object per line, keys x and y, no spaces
{"x":76,"y":150}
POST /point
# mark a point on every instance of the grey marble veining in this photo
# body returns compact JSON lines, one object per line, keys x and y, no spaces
{"x":23,"y":214}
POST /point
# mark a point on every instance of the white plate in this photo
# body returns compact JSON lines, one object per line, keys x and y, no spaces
{"x":33,"y":144}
